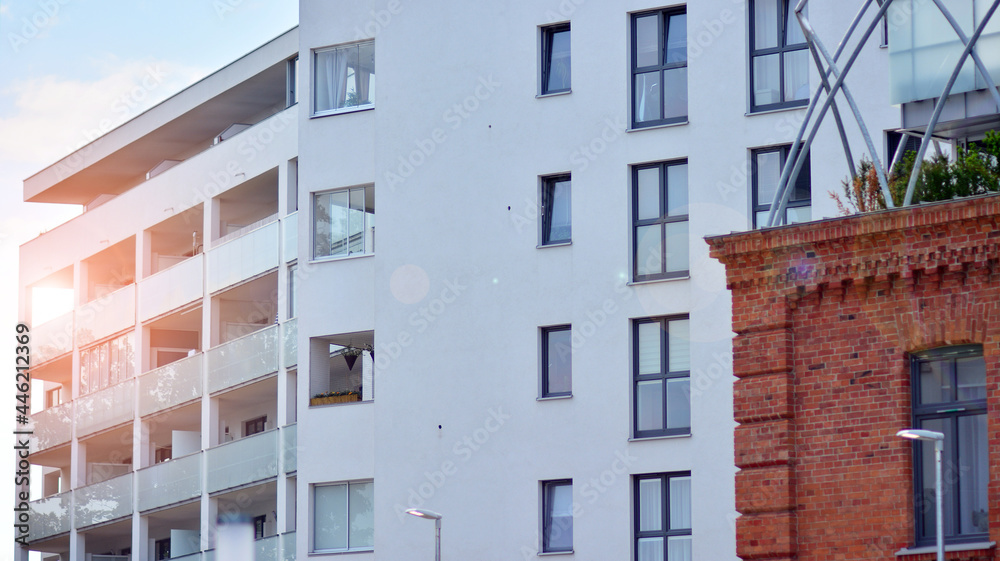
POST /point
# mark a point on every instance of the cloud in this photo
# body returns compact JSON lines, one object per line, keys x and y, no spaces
{"x":54,"y":115}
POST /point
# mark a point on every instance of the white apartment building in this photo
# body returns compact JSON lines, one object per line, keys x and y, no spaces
{"x":533,"y":343}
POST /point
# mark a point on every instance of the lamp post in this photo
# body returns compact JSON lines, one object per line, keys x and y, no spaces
{"x":938,"y":439}
{"x":431,"y":515}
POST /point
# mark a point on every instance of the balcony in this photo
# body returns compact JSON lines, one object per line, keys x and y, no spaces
{"x":103,"y":502}
{"x":243,"y":359}
{"x":172,"y":288}
{"x":290,"y":336}
{"x":106,"y":315}
{"x":171,"y":385}
{"x":244,"y":461}
{"x":169,"y":482}
{"x":50,"y":516}
{"x":289,"y":448}
{"x":105,"y":409}
{"x":53,"y":426}
{"x":52,"y":338}
{"x":244,"y":257}
{"x":288,"y":546}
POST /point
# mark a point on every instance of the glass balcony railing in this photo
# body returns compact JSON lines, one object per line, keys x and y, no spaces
{"x":244,"y":257}
{"x":172,"y":288}
{"x":53,"y":426}
{"x":243,"y":461}
{"x":290,"y":230}
{"x":169,"y":482}
{"x":103,"y":502}
{"x":289,"y":448}
{"x":50,"y":516}
{"x":105,"y":409}
{"x":268,"y":549}
{"x":243,"y":359}
{"x":290,"y":340}
{"x":106,"y":315}
{"x":52,"y":338}
{"x":923,"y":48}
{"x":170,"y":385}
{"x":288,"y":546}
{"x":189,"y":557}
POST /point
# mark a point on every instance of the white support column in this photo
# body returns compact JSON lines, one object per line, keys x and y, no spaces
{"x":77,"y":545}
{"x":140,"y":536}
{"x":78,"y":466}
{"x":209,"y":513}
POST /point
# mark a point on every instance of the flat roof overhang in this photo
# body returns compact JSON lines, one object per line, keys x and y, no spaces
{"x":175,"y":129}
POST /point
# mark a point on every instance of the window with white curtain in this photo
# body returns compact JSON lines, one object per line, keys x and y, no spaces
{"x":662,"y":377}
{"x":950,"y":397}
{"x":343,"y":517}
{"x":779,"y":56}
{"x":659,"y":67}
{"x":344,"y":78}
{"x":766,"y":166}
{"x":557,"y":516}
{"x":344,"y":222}
{"x":662,"y":517}
{"x":660,"y":221}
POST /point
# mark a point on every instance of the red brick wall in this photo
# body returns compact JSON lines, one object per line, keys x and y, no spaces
{"x":825,"y":315}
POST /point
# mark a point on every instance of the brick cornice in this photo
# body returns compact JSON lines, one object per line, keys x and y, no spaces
{"x":900,"y":242}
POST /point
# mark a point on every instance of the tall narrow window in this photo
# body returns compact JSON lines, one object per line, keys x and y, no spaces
{"x":662,"y":515}
{"x":660,"y":220}
{"x":555,"y":59}
{"x":662,"y":366}
{"x":767,"y":165}
{"x":779,"y":56}
{"x":557,"y":361}
{"x":343,"y":517}
{"x":659,"y":67}
{"x":344,"y":222}
{"x":557,"y":516}
{"x":949,"y":397}
{"x":557,"y":225}
{"x":344,"y":78}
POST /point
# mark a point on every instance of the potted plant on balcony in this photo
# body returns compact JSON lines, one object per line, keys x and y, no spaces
{"x":327,"y":398}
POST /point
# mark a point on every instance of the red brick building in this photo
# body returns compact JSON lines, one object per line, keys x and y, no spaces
{"x":848,"y":330}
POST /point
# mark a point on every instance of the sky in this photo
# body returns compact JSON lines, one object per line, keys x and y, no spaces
{"x":66,"y":66}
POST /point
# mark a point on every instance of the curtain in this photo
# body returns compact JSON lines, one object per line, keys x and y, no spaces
{"x":331,"y":79}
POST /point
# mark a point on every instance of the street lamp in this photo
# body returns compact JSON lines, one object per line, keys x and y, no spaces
{"x":431,"y":515}
{"x":938,"y":439}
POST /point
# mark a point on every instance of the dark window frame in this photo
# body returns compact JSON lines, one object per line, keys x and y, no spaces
{"x":805,"y":176}
{"x":547,"y":514}
{"x":951,"y":410}
{"x":545,"y":361}
{"x":548,"y":185}
{"x":161,"y":549}
{"x":664,"y":21}
{"x":258,"y":526}
{"x":662,"y":220}
{"x":548,"y":34}
{"x":664,"y":374}
{"x":666,"y":532}
{"x":259,"y":424}
{"x":780,"y":50}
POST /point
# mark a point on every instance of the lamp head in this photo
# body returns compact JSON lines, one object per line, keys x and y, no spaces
{"x":422,"y":513}
{"x":919,"y":434}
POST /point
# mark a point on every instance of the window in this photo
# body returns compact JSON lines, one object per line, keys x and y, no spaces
{"x":258,"y":526}
{"x":663,"y":517}
{"x":660,"y":214}
{"x":555,"y":59}
{"x":162,"y":454}
{"x":344,"y":222}
{"x":949,"y":396}
{"x":557,"y":516}
{"x":254,"y":426}
{"x":162,"y":549}
{"x":557,"y":224}
{"x":662,"y":377}
{"x":291,"y":76}
{"x":659,"y":68}
{"x":779,"y":56}
{"x":767,"y":164}
{"x":557,"y":361}
{"x":293,"y":270}
{"x":343,"y":517}
{"x":344,"y":78}
{"x":106,"y":364}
